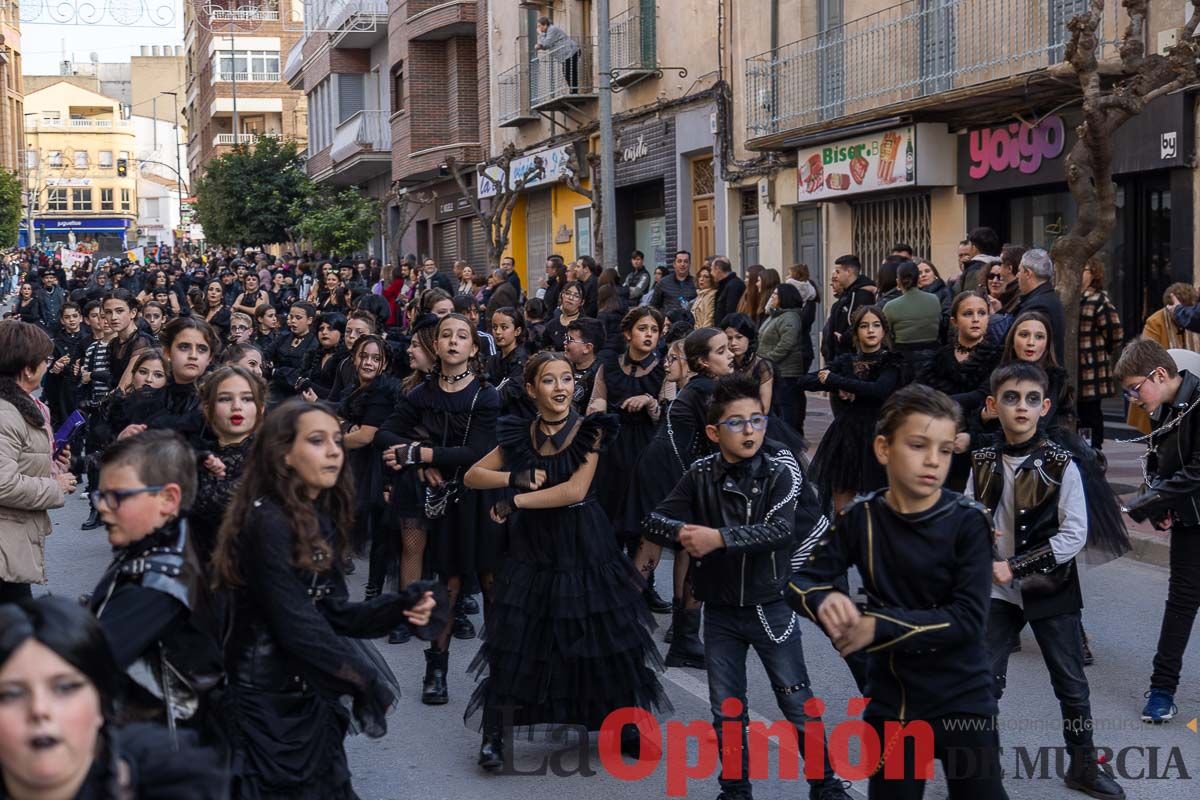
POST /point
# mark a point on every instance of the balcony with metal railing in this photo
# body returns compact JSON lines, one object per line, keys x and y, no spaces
{"x":246,"y":77}
{"x":293,"y":64}
{"x":632,"y":42}
{"x":564,"y":77}
{"x":357,"y":23}
{"x":512,"y":97}
{"x":243,"y":138}
{"x":919,"y":54}
{"x":362,"y":147}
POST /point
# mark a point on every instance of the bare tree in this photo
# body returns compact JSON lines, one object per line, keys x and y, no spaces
{"x":572,"y":179}
{"x":1112,"y":95}
{"x":408,"y":205}
{"x":497,"y":220}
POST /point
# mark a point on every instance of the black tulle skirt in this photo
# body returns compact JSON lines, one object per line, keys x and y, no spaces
{"x":568,"y":635}
{"x":617,"y":472}
{"x":654,"y":476}
{"x":845,"y":458}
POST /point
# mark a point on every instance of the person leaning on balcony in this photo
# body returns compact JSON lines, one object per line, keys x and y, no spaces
{"x":561,"y":47}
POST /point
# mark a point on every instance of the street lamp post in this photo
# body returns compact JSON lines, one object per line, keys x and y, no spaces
{"x":608,"y":229}
{"x":30,"y":190}
{"x":178,"y":163}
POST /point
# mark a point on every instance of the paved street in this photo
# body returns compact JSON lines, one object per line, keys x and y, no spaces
{"x":428,"y":753}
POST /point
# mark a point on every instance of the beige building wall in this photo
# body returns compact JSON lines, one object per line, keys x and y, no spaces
{"x":149,"y":76}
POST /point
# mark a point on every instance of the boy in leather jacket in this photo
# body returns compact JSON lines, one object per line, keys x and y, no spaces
{"x":152,"y":600}
{"x":734,"y":511}
{"x":1035,"y":493}
{"x":925,"y":556}
{"x":1171,"y":499}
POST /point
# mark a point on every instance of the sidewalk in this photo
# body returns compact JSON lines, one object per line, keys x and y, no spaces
{"x":1124,"y":476}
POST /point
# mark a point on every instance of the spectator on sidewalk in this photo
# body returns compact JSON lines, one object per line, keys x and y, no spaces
{"x":1163,"y":326}
{"x":1100,"y":335}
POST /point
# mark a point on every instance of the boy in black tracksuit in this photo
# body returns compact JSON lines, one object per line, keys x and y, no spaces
{"x":734,"y":512}
{"x":1035,"y":492}
{"x":925,"y":556}
{"x":1171,"y":499}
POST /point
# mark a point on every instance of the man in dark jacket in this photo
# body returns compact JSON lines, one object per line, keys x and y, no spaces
{"x":678,"y":289}
{"x":983,"y":245}
{"x":638,"y":280}
{"x":432,"y":279}
{"x":857,"y":291}
{"x":730,"y":289}
{"x":740,"y":549}
{"x":1037,"y":294}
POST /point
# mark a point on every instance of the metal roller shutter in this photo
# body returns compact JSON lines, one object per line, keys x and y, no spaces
{"x":538,"y":224}
{"x":475,"y":243}
{"x":879,"y":224}
{"x":445,"y":235}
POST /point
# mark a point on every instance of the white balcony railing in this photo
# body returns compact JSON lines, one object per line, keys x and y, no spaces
{"x":295,"y":60}
{"x":32,"y":124}
{"x":243,"y":138}
{"x":909,"y":51}
{"x":263,"y":12}
{"x":248,"y":77}
{"x":363,"y":132}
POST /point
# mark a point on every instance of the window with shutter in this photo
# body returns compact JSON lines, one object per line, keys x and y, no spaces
{"x":350,"y":96}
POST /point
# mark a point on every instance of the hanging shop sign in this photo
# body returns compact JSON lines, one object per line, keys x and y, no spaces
{"x":554,"y":164}
{"x":915,"y":155}
{"x":452,"y":206}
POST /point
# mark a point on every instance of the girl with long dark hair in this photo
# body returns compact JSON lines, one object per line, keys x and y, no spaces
{"x":213,"y":309}
{"x":563,"y":575}
{"x":742,"y":332}
{"x":506,"y":369}
{"x":295,"y":643}
{"x":858,"y":383}
{"x":440,"y":428}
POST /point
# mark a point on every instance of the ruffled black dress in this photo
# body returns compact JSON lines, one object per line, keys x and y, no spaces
{"x":616,"y":471}
{"x":370,"y":405}
{"x":214,"y":495}
{"x":294,"y":650}
{"x":568,"y":637}
{"x":678,"y":441}
{"x":967,"y":383}
{"x":845,"y":459}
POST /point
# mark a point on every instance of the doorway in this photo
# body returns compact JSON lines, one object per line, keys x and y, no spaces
{"x":748,"y":230}
{"x":704,"y":211}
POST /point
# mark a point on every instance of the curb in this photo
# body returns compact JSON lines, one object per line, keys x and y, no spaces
{"x":1149,"y":548}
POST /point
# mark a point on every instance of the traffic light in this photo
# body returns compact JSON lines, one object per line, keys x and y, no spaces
{"x":122,"y":167}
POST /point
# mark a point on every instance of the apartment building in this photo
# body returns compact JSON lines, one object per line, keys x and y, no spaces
{"x":235,"y":90}
{"x":869,"y":122}
{"x":340,"y":63}
{"x":11,"y":86}
{"x":80,"y":170}
{"x":670,"y":190}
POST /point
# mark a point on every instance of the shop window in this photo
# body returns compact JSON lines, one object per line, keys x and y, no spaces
{"x":879,"y":224}
{"x":56,"y":199}
{"x":81,"y":199}
{"x":125,"y":200}
{"x":106,"y":199}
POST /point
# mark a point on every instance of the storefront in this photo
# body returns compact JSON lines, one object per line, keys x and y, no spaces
{"x":1015,"y":181}
{"x":104,"y":236}
{"x":645,"y":182}
{"x":457,"y":233}
{"x":882,"y":186}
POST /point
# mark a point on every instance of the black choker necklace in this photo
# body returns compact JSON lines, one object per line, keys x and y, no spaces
{"x":958,"y":348}
{"x":462,"y":376}
{"x":549,"y":423}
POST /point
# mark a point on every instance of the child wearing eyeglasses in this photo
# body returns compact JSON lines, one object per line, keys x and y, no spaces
{"x":1152,"y":381}
{"x":152,"y":600}
{"x":734,"y":514}
{"x":1035,"y":493}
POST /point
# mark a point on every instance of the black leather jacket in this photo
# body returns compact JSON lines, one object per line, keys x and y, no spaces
{"x":753,"y":504}
{"x":1174,"y":461}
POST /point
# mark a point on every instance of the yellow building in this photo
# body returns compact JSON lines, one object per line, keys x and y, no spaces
{"x":79,"y":165}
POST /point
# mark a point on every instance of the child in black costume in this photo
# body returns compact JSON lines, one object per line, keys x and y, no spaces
{"x":287,"y":353}
{"x":1036,"y":494}
{"x":925,"y":556}
{"x":295,"y":645}
{"x":585,"y":336}
{"x":568,"y":637}
{"x":734,"y":513}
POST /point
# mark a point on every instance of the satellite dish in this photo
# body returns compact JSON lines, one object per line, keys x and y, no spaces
{"x":94,"y":57}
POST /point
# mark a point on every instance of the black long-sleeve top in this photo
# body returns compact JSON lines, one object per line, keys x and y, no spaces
{"x":287,"y":356}
{"x":870,"y":377}
{"x":320,"y":369}
{"x":443,"y":421}
{"x":928,"y":579}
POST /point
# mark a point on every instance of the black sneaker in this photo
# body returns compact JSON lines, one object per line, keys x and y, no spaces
{"x":463,"y":628}
{"x":832,"y":789}
{"x":1094,"y":781}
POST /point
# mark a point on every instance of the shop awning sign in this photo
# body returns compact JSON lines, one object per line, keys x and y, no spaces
{"x":555,"y":162}
{"x":874,"y":162}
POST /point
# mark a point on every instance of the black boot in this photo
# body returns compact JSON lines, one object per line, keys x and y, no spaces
{"x":93,"y":521}
{"x":400,"y":634}
{"x":1087,"y":776}
{"x":491,"y":751}
{"x":669,"y":636}
{"x":686,"y":650}
{"x":434,"y":691}
{"x":654,"y":600}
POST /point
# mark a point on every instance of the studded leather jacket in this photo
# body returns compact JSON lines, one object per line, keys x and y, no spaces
{"x":753,"y":504}
{"x":1047,"y":587}
{"x":1174,"y":460}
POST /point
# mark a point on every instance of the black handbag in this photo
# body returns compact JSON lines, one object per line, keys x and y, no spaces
{"x":438,"y":499}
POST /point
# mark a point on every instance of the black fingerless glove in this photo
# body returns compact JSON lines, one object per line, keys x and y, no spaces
{"x":407,"y":454}
{"x":503,"y":509}
{"x":521,"y":479}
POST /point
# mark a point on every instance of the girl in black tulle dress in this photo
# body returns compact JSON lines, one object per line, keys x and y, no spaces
{"x":858,"y":383}
{"x":232,"y":400}
{"x":568,"y":638}
{"x":632,"y":382}
{"x":295,"y":644}
{"x":506,"y":369}
{"x":440,"y":429}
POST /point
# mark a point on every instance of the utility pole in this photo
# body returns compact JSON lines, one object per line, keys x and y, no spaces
{"x":178,"y":163}
{"x":32,"y":189}
{"x":233,"y":77}
{"x":608,"y":202}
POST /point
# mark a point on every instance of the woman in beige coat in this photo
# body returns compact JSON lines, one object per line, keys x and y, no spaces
{"x":30,"y":482}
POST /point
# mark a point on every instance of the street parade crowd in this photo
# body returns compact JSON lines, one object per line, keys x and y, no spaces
{"x":247,"y":425}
